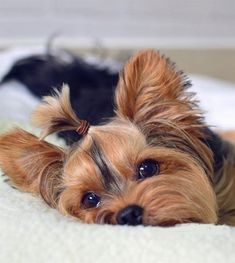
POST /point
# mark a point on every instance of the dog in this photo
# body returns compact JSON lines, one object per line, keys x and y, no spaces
{"x":156,"y":162}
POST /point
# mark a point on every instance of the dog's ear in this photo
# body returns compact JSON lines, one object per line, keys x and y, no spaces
{"x":152,"y":93}
{"x":34,"y":166}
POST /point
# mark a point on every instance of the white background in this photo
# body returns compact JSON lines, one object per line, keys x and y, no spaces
{"x":127,"y":22}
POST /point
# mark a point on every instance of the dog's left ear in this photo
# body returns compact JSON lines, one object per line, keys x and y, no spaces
{"x":32,"y":165}
{"x":152,"y":93}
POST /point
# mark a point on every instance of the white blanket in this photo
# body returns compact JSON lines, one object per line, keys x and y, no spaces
{"x":32,"y":232}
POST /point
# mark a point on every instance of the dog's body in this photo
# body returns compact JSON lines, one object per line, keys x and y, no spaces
{"x":39,"y":73}
{"x":155,"y":163}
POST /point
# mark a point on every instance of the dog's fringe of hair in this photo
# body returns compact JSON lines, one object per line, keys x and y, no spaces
{"x":55,"y":113}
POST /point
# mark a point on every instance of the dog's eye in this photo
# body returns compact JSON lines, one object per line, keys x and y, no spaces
{"x":90,"y":199}
{"x":148,"y":168}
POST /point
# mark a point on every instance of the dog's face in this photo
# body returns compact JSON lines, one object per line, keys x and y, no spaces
{"x":148,"y":165}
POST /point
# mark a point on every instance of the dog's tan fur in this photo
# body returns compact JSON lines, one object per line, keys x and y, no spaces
{"x":156,"y":118}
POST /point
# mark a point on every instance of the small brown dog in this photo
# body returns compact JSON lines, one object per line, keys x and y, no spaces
{"x":155,"y":163}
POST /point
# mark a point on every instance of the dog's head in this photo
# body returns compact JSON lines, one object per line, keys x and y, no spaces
{"x":148,"y":165}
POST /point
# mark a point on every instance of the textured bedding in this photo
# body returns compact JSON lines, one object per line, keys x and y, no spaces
{"x":30,"y":231}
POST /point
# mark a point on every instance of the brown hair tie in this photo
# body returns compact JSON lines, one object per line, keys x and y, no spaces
{"x":83,"y":127}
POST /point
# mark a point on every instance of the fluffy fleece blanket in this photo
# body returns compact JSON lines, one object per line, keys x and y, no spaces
{"x":32,"y":232}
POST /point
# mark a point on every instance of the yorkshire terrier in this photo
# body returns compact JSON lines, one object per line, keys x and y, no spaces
{"x":155,"y":163}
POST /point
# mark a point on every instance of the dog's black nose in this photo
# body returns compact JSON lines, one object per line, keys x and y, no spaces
{"x":130,"y":215}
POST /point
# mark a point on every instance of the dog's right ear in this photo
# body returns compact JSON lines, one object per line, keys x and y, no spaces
{"x":153,"y":94}
{"x":34,"y":166}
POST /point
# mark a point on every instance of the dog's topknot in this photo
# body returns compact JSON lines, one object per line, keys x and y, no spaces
{"x":55,"y":114}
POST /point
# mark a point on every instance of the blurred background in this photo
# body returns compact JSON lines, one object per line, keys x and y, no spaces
{"x":198,"y":35}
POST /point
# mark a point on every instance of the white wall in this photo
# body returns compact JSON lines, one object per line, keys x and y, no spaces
{"x":120,"y":22}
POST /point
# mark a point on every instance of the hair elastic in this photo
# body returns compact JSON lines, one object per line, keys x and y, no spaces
{"x":83,"y":127}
